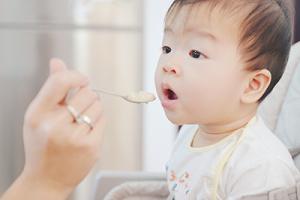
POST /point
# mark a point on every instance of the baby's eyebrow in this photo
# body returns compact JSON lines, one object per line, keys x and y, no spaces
{"x":200,"y":33}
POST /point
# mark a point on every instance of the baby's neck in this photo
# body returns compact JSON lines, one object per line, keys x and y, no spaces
{"x":227,"y":127}
{"x":208,"y":135}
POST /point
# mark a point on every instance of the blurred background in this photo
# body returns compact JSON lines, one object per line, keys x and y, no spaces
{"x":117,"y":44}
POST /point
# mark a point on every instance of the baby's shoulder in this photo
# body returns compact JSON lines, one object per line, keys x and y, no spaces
{"x":262,"y":160}
{"x":260,"y":147}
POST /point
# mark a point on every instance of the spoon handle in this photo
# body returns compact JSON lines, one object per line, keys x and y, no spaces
{"x":109,"y":93}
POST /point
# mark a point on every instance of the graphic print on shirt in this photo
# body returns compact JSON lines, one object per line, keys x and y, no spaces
{"x":179,"y":182}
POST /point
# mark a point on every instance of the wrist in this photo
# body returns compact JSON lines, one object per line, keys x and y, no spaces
{"x":39,"y":188}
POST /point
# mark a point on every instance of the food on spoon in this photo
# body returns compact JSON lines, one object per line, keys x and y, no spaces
{"x":141,"y":97}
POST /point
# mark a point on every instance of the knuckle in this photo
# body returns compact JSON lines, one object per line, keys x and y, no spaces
{"x":85,"y":91}
{"x":92,"y":95}
{"x":101,"y":122}
{"x":89,"y":95}
{"x":98,"y":107}
{"x":31,"y":121}
{"x":86,"y":95}
{"x":51,"y":129}
{"x":32,"y":118}
{"x":79,"y":75}
{"x":99,"y":116}
{"x":47,"y":128}
{"x":58,"y":80}
{"x":50,"y":132}
{"x":51,"y":139}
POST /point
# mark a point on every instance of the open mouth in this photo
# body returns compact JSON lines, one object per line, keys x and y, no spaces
{"x":170,"y":94}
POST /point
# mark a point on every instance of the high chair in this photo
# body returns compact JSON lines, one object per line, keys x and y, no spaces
{"x":281,"y":112}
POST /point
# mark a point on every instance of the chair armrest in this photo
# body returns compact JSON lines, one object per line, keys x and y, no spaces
{"x":107,"y":180}
{"x":291,"y":193}
{"x":141,"y":190}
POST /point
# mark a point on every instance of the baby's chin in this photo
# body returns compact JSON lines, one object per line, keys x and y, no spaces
{"x":176,"y":119}
{"x":179,"y":120}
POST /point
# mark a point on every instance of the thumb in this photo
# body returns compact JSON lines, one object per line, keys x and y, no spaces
{"x":57,"y":65}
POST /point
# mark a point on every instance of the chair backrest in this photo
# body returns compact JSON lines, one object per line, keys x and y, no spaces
{"x":281,"y":109}
{"x":297,"y":21}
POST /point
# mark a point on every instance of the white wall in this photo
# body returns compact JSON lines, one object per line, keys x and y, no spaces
{"x":158,"y":132}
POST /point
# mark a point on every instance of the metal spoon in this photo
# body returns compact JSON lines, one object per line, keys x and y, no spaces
{"x":141,"y":97}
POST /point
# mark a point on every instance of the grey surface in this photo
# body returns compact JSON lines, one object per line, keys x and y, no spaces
{"x":23,"y":70}
{"x":32,"y":32}
{"x":106,"y":180}
{"x":24,"y":55}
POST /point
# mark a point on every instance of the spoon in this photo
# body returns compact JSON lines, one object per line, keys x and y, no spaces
{"x":139,"y":97}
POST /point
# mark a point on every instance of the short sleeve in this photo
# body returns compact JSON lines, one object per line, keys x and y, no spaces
{"x":261,"y":178}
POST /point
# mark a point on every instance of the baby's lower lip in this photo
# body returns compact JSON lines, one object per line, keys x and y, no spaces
{"x":168,"y":104}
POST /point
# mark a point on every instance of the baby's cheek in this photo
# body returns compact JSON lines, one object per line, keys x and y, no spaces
{"x":200,"y":100}
{"x":208,"y":97}
{"x":157,"y":77}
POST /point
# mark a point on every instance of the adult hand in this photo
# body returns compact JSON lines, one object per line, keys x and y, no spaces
{"x":59,"y":152}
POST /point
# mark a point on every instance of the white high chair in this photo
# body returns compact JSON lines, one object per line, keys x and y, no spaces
{"x":281,"y":112}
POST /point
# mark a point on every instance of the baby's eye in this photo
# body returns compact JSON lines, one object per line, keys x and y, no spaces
{"x":166,"y":49}
{"x":195,"y":54}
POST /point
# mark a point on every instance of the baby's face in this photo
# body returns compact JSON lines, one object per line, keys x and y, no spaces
{"x":200,"y":76}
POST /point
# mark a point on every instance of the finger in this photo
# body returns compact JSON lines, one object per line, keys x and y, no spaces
{"x":99,"y":125}
{"x":57,"y":65}
{"x":72,"y":92}
{"x":57,"y":87}
{"x":94,"y":113}
{"x":96,"y":135}
{"x":81,"y":101}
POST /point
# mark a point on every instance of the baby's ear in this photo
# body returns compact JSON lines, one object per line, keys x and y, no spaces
{"x":258,"y":83}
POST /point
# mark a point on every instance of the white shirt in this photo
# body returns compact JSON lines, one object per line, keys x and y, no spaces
{"x":250,"y":162}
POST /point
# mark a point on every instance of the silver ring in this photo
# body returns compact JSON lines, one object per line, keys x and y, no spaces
{"x":79,"y":119}
{"x":83,"y":119}
{"x":73,"y":112}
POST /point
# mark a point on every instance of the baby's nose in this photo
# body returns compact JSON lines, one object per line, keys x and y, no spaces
{"x":171,"y":69}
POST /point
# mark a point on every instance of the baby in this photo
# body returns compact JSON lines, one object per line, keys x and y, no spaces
{"x":220,"y":59}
